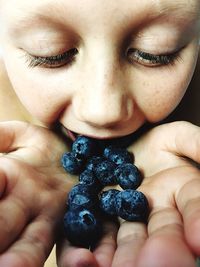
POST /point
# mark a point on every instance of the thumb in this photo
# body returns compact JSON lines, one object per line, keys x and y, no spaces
{"x":11,"y":134}
{"x":183,"y":139}
{"x":165,"y":146}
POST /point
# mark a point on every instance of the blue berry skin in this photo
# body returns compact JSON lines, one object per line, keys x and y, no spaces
{"x":93,"y":162}
{"x":132,"y":205}
{"x":87,"y":177}
{"x":83,"y":147}
{"x":71,"y":163}
{"x":83,"y":196}
{"x":82,"y":227}
{"x":118,"y":155}
{"x":107,"y":201}
{"x":80,"y":188}
{"x":104,"y":172}
{"x":128,"y":176}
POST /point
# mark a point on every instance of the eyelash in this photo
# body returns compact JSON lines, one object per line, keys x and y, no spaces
{"x":151,"y":60}
{"x":133,"y":55}
{"x":52,"y":61}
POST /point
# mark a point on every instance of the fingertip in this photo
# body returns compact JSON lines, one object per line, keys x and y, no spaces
{"x":191,"y":220}
{"x":165,"y":252}
{"x":77,"y":257}
{"x":192,"y":234}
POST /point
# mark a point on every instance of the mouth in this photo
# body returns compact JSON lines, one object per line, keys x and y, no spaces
{"x":71,"y":134}
{"x":122,"y":141}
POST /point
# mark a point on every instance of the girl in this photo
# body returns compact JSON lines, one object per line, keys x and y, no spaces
{"x":101,"y":69}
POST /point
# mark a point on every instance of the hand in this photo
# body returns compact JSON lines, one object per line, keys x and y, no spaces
{"x":33,"y":188}
{"x":172,"y":185}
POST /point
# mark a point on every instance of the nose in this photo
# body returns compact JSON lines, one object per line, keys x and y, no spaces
{"x":103,"y":100}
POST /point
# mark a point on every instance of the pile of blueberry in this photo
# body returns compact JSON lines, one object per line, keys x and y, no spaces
{"x":100,"y":166}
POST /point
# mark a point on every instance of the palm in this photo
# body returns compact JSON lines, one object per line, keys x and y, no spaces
{"x":170,"y":182}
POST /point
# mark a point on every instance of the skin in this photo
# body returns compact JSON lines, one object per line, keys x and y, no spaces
{"x":133,"y":90}
{"x":30,"y":173}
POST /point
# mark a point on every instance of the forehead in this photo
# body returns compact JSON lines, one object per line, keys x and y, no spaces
{"x":105,"y":5}
{"x":90,"y":10}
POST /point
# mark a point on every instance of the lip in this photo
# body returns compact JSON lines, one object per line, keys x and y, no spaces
{"x":122,"y":141}
{"x":73,"y":135}
{"x":70,"y":134}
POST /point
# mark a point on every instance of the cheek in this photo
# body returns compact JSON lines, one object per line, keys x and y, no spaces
{"x":37,"y":96}
{"x":158,"y":100}
{"x":159,"y":91}
{"x":44,"y":94}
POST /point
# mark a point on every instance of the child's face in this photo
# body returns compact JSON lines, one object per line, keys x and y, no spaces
{"x":100,"y":68}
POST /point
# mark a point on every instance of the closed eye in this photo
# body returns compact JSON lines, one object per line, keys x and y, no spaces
{"x":151,"y":60}
{"x":56,"y":61}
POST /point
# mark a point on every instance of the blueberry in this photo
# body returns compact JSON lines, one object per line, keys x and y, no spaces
{"x":118,"y":155}
{"x":82,"y":227}
{"x":128,"y":176}
{"x":82,"y":196}
{"x":83,"y":147}
{"x":80,"y":188}
{"x":93,"y":162}
{"x":107,"y":201}
{"x":71,"y":163}
{"x":104,"y":172}
{"x":87,"y":177}
{"x":132,"y":205}
{"x":80,"y":200}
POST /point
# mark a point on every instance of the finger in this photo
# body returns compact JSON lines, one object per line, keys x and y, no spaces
{"x":105,"y":250}
{"x":16,"y":203}
{"x":70,"y":256}
{"x":165,"y":246}
{"x":14,"y":215}
{"x":2,"y":183}
{"x":188,"y":202}
{"x":32,"y":248}
{"x":131,"y":237}
{"x":178,"y":134}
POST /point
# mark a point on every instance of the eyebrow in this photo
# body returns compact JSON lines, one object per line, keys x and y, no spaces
{"x":27,"y":19}
{"x":189,"y":10}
